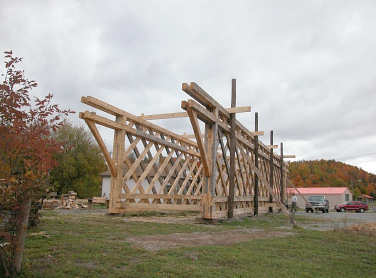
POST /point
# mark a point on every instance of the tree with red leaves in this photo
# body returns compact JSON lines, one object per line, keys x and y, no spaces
{"x":27,"y":152}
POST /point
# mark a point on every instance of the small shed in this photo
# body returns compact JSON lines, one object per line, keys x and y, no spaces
{"x":106,"y":184}
{"x":335,"y":195}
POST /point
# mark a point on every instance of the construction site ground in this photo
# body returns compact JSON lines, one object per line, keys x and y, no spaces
{"x":90,"y":243}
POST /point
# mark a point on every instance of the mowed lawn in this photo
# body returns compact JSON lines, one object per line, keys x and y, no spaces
{"x":95,"y":245}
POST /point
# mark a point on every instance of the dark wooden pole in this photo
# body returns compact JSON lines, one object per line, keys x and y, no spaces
{"x":256,"y":189}
{"x":271,"y":166}
{"x":231,"y":194}
{"x":282,"y":177}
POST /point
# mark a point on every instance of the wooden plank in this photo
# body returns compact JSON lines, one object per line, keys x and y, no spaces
{"x":159,"y":172}
{"x":167,"y":179}
{"x":245,"y":162}
{"x":223,"y":181}
{"x":195,"y":178}
{"x":111,"y":124}
{"x":174,"y":115}
{"x":137,"y":154}
{"x":220,"y":199}
{"x":202,"y":114}
{"x":241,"y":170}
{"x":201,"y":147}
{"x":271,"y":168}
{"x":258,"y":133}
{"x":132,"y":146}
{"x":118,"y":157}
{"x":272,"y":146}
{"x":103,"y":147}
{"x":289,"y":156}
{"x":197,"y":192}
{"x":256,"y":186}
{"x":160,"y":196}
{"x":231,"y":195}
{"x":197,"y":93}
{"x":128,"y":207}
{"x":212,"y":157}
{"x":101,"y":105}
{"x":164,"y":116}
{"x":147,"y":170}
{"x":177,"y":178}
{"x":150,"y":156}
{"x":282,"y":185}
{"x":136,"y":163}
{"x":191,"y":170}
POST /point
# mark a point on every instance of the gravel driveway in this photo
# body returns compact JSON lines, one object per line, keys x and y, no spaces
{"x":338,"y":220}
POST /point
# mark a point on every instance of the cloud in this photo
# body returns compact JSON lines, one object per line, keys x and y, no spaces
{"x":307,"y":67}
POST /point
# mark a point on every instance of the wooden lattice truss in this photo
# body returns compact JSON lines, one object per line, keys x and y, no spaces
{"x":226,"y":172}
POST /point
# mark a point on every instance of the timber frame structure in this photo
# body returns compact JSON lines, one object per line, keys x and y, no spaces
{"x":228,"y":171}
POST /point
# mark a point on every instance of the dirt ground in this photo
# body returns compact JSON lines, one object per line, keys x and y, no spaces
{"x":157,"y":242}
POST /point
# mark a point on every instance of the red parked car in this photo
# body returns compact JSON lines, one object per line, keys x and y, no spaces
{"x":354,"y":205}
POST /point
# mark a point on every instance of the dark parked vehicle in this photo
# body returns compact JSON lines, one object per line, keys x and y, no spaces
{"x":317,"y":203}
{"x":354,"y":205}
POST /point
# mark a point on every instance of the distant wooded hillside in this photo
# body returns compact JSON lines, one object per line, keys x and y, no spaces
{"x":331,"y":173}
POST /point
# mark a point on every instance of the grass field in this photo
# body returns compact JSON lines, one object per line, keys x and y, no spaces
{"x":95,"y":245}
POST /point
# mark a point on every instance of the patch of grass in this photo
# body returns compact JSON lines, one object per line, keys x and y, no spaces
{"x":93,"y":245}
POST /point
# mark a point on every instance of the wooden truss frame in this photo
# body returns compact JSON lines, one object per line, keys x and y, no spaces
{"x":227,"y":171}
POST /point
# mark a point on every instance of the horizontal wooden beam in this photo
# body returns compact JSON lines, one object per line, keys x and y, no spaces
{"x":257,"y":133}
{"x":128,"y":207}
{"x":192,"y":136}
{"x":289,"y":156}
{"x":240,"y":109}
{"x":160,"y":196}
{"x":101,"y":105}
{"x":114,"y":125}
{"x":272,"y":146}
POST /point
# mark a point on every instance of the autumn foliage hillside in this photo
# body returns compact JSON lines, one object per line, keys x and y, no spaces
{"x":331,"y":173}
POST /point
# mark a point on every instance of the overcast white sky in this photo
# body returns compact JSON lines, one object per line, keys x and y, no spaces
{"x":307,"y":67}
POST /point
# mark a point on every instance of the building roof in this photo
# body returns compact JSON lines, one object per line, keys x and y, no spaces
{"x":317,"y":190}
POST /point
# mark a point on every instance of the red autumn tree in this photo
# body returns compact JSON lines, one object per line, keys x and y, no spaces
{"x":26,"y":151}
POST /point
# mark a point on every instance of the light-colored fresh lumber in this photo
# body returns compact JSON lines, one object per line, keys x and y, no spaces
{"x":200,"y":143}
{"x":160,"y":196}
{"x":128,"y":207}
{"x":289,"y":156}
{"x":272,"y":146}
{"x":239,"y":109}
{"x":101,"y":105}
{"x":103,"y":147}
{"x":111,"y":124}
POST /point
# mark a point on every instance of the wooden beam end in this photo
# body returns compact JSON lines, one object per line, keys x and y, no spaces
{"x":289,"y":156}
{"x":184,"y":86}
{"x":184,"y":105}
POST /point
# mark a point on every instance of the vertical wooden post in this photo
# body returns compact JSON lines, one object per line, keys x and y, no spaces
{"x":282,"y":193}
{"x":118,"y":158}
{"x":213,"y":155}
{"x":211,"y":144}
{"x":256,"y":189}
{"x":230,"y":203}
{"x":271,"y":167}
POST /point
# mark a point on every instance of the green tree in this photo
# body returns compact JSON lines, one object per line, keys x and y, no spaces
{"x":80,"y":163}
